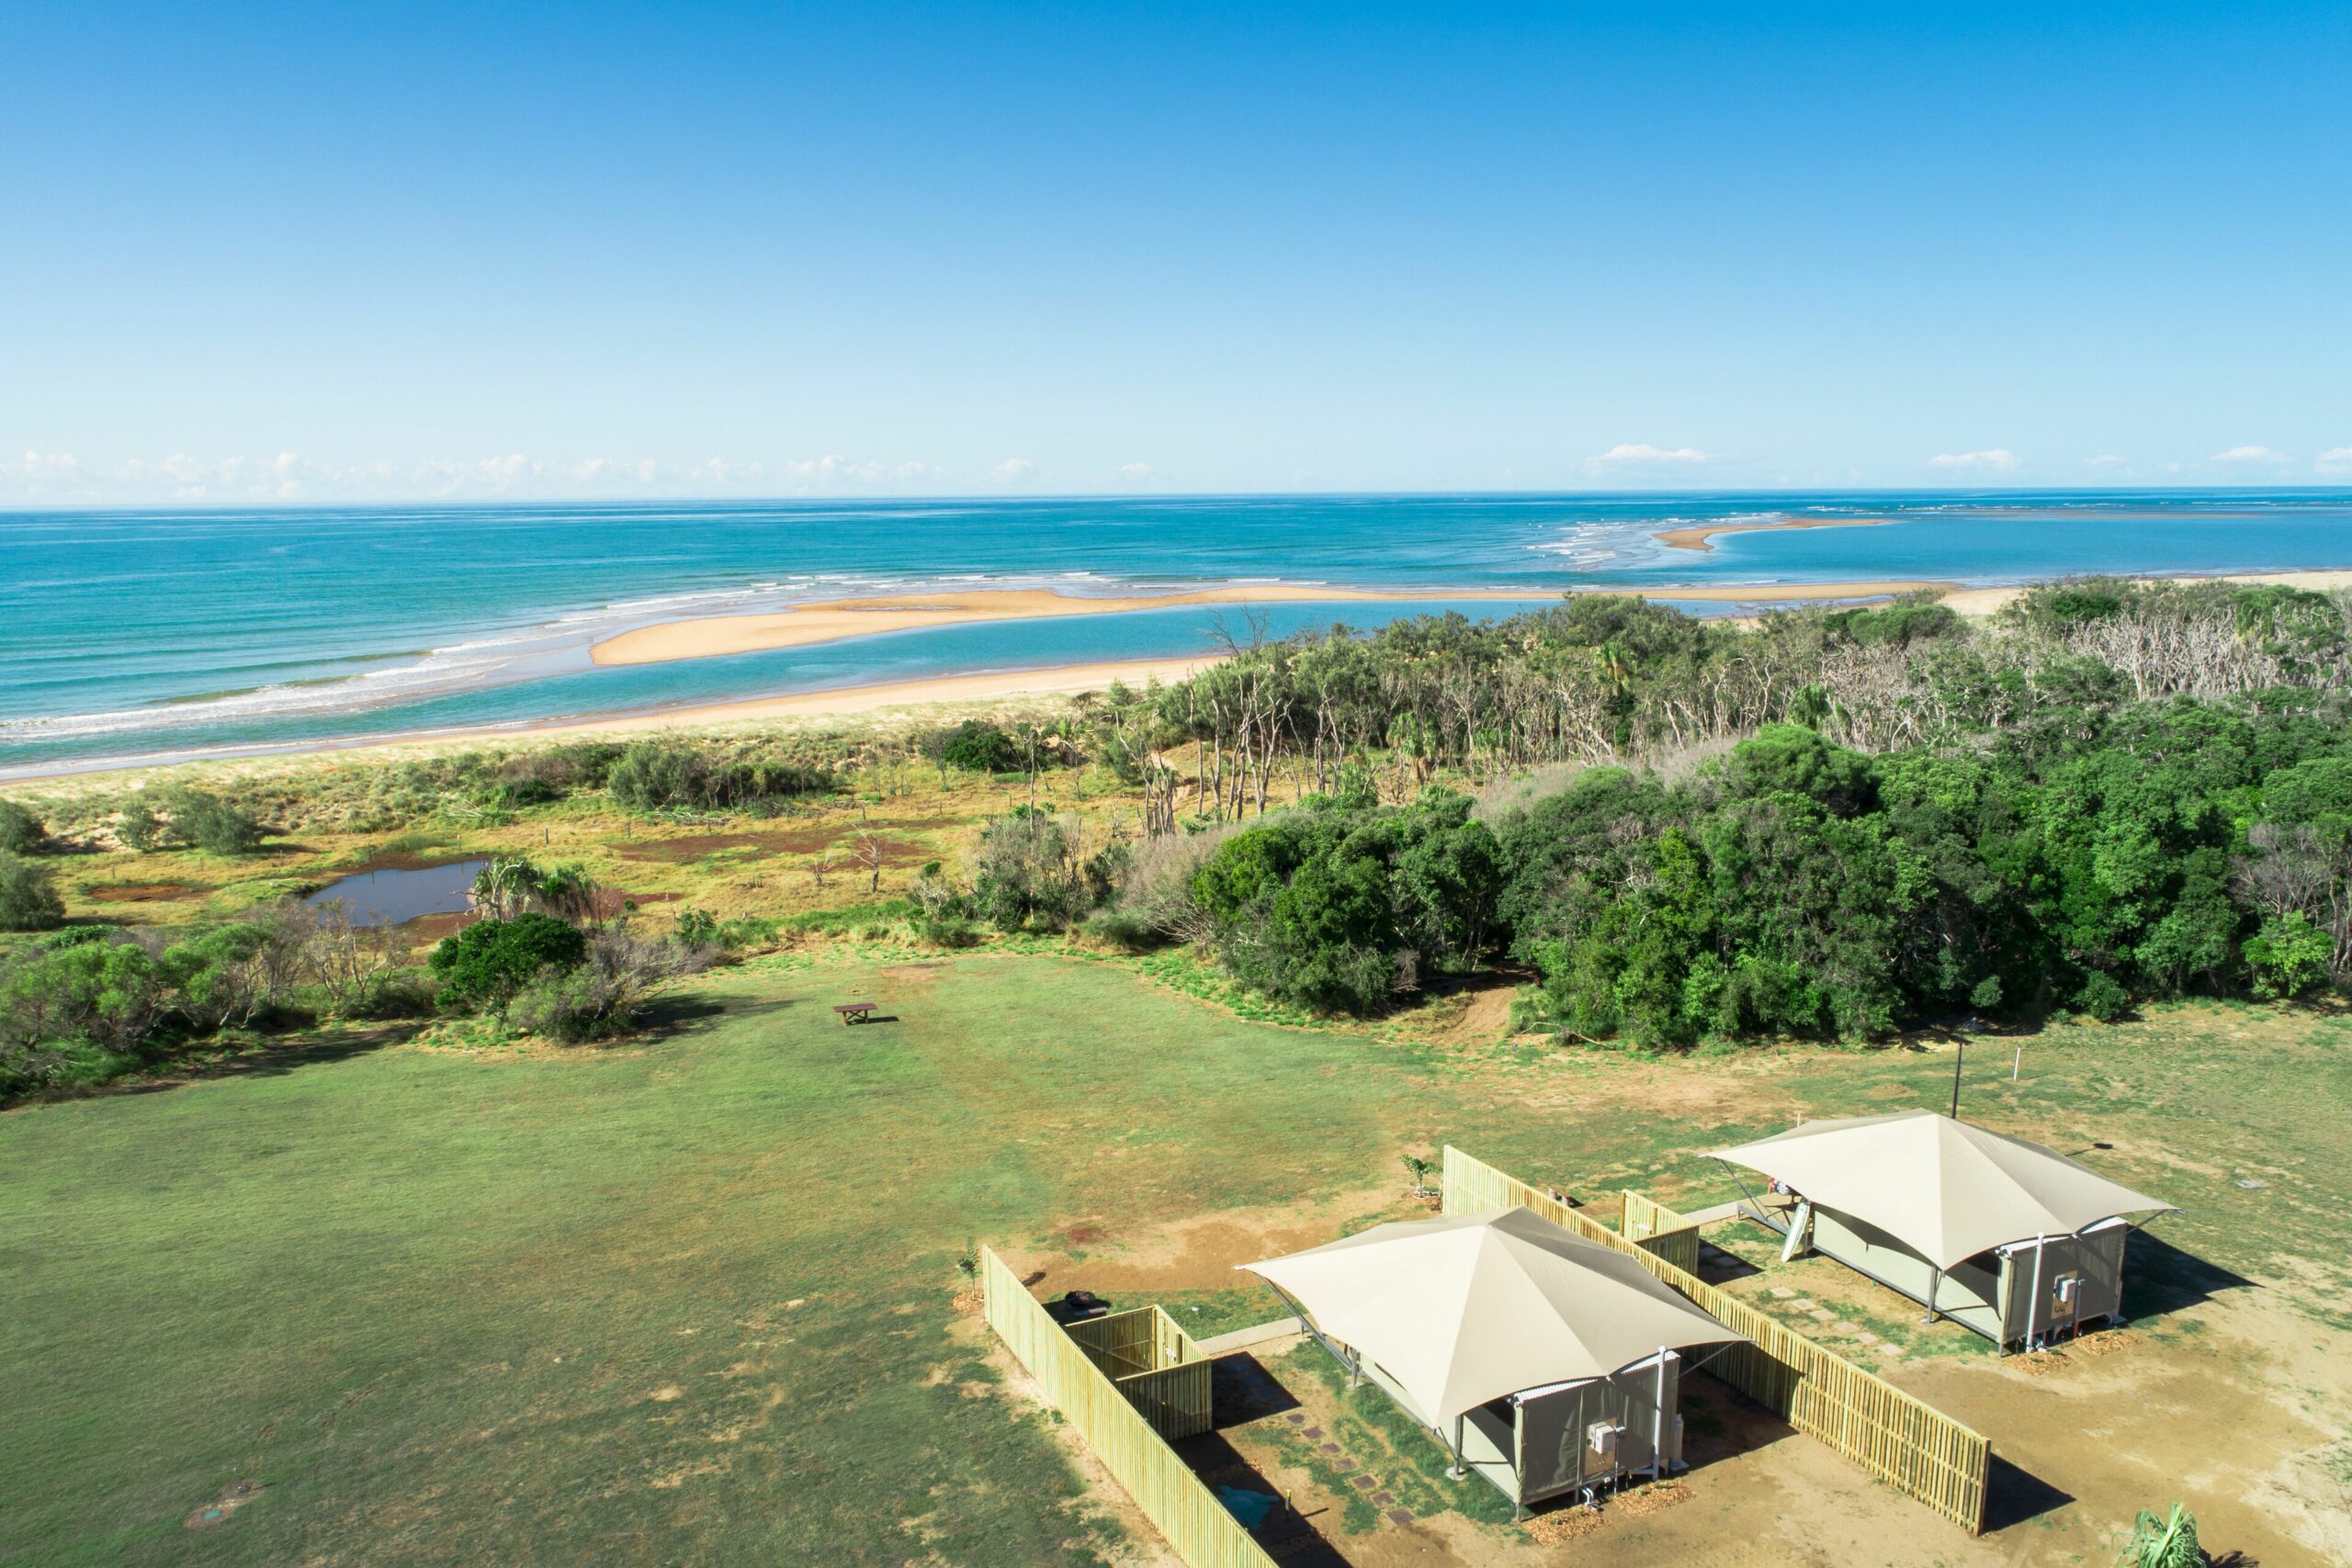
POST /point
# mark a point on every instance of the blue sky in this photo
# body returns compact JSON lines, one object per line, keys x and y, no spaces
{"x":324,"y":252}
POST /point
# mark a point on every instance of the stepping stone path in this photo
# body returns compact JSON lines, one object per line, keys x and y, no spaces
{"x":1327,"y":1448}
{"x":1782,"y":1291}
{"x":1383,"y":1499}
{"x":1846,"y":1329}
{"x":1820,"y":1315}
{"x":1363,"y":1483}
{"x":1803,"y":1303}
{"x":1867,"y":1337}
{"x":1400,"y":1516}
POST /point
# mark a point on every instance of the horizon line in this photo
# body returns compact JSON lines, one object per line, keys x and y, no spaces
{"x":272,"y":503}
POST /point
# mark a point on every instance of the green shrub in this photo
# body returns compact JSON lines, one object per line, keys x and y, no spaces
{"x":976,"y":746}
{"x":658,"y":776}
{"x":141,"y":829}
{"x":1338,"y":904}
{"x":482,"y":966}
{"x":2103,"y":997}
{"x":188,"y":818}
{"x":28,"y":900}
{"x":570,"y":1005}
{"x":2288,"y":956}
{"x":21,"y":831}
{"x":1033,"y":869}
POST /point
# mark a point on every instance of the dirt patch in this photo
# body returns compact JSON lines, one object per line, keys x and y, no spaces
{"x":613,"y":901}
{"x":433,"y":928}
{"x":1199,"y":1253}
{"x":396,"y":860}
{"x":232,"y":1497}
{"x":693,"y":846}
{"x":1476,"y":1012}
{"x":142,"y":891}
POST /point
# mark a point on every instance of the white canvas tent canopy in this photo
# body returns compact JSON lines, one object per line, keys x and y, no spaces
{"x":1922,"y":1201}
{"x":1512,"y":1339}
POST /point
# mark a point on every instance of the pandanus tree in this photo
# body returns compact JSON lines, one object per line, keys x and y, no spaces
{"x":504,"y":887}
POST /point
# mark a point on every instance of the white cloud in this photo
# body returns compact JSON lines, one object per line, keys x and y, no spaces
{"x":1991,"y":460}
{"x":2336,"y":460}
{"x":1641,"y":454}
{"x":1012,"y":470}
{"x":285,"y":476}
{"x":1134,"y":471}
{"x":2105,"y":460}
{"x":2251,"y":455}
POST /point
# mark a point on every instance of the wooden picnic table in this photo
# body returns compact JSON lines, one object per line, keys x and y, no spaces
{"x":854,"y":1012}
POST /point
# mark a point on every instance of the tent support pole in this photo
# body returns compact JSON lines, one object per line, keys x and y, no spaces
{"x":1733,"y":1172}
{"x":2033,"y":1301}
{"x":1460,"y":1470}
{"x":1935,"y":1278}
{"x":1657,"y":1429}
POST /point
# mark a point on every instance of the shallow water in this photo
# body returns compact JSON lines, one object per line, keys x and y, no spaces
{"x":391,"y":897}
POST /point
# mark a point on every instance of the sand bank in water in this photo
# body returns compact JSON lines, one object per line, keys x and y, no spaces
{"x":1696,"y":536}
{"x":831,"y":620}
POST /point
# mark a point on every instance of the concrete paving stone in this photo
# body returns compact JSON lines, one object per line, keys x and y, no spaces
{"x":1400,"y":1516}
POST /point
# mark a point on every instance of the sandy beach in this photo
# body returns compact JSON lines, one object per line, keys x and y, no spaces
{"x":833,"y":620}
{"x":884,"y":698}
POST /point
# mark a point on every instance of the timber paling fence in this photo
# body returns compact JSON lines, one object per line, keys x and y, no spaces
{"x":1127,"y":1417}
{"x":1904,"y":1442}
{"x":1660,"y":1232}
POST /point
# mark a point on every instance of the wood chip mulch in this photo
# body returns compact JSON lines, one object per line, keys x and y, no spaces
{"x":2107,"y":1343}
{"x":1563,"y":1526}
{"x":1649,"y":1499}
{"x":969,"y":1300}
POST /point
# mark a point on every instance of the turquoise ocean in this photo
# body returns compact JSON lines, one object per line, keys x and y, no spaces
{"x":134,"y":635}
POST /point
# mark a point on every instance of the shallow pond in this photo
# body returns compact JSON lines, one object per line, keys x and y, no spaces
{"x":389,"y":898}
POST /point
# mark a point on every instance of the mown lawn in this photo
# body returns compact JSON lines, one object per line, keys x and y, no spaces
{"x":688,"y":1303}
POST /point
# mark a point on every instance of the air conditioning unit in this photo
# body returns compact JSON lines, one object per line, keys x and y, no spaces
{"x":2067,"y":1286}
{"x":1602,"y":1437}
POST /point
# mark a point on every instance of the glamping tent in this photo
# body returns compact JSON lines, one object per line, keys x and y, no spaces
{"x":2001,"y":1236}
{"x":1545,"y":1363}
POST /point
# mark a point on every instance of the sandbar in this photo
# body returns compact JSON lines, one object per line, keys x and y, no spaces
{"x":834,"y":620}
{"x":1695,"y":537}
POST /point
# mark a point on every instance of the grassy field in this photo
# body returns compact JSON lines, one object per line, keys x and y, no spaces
{"x":689,"y":1301}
